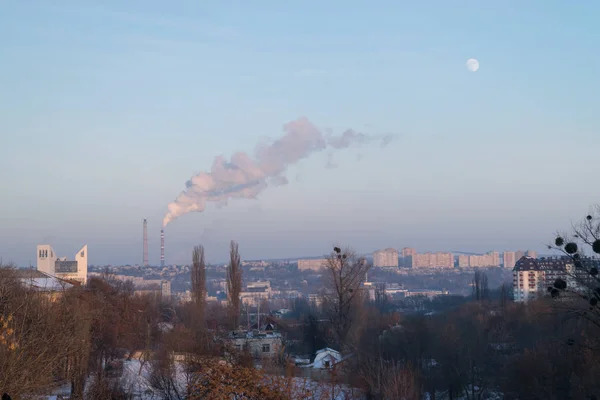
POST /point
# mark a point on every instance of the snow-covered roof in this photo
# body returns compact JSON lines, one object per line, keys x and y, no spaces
{"x":46,"y":283}
{"x":327,"y":349}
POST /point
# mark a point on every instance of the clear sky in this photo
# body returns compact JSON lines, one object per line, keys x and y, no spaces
{"x":106,"y":110}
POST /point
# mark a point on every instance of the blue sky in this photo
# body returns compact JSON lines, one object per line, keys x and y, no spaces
{"x":106,"y":110}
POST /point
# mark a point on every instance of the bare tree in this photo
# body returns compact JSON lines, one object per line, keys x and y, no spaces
{"x":390,"y":379}
{"x":481,"y":288}
{"x":381,"y":298}
{"x":345,"y":274}
{"x":198,"y":279}
{"x":234,"y":284}
{"x":581,"y":281}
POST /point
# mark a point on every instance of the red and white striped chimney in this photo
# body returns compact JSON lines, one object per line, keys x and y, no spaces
{"x":145,"y":255}
{"x":162,"y":247}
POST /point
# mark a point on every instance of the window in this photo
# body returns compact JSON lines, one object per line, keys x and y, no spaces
{"x":238,"y":347}
{"x":327,"y":364}
{"x":81,"y":254}
{"x":266,"y":348}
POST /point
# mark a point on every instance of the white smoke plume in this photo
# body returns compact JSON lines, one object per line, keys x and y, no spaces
{"x":246,"y":177}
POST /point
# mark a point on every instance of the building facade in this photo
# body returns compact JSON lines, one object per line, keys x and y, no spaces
{"x":431,"y":260}
{"x":532,"y":277}
{"x":385,"y":258}
{"x":49,"y":263}
{"x":531,"y":253}
{"x":509,"y":259}
{"x":408,"y":251}
{"x":255,"y":292}
{"x":315,"y":264}
{"x":165,"y":289}
{"x":259,"y":344}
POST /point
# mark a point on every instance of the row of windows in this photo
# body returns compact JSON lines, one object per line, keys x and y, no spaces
{"x":266,"y":348}
{"x":44,"y":253}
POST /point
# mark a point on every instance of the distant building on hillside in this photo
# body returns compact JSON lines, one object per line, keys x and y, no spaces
{"x":531,"y":253}
{"x":385,"y":258}
{"x":314,"y":264}
{"x":491,"y":259}
{"x":408,"y":251}
{"x":430,"y":260}
{"x":49,"y":263}
{"x":255,"y":292}
{"x":509,"y":259}
{"x":165,"y":289}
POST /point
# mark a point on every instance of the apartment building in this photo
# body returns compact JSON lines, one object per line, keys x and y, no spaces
{"x":385,"y":258}
{"x":408,"y":251}
{"x":255,"y":292}
{"x":313,"y":264}
{"x":431,"y":260}
{"x":532,"y":277}
{"x":509,"y":259}
{"x":491,"y":259}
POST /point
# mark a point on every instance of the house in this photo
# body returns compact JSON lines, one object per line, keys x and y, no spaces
{"x":280,"y":313}
{"x":326,"y":358}
{"x":260,"y":344}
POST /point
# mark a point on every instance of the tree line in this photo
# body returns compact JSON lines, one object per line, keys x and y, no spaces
{"x":475,"y":348}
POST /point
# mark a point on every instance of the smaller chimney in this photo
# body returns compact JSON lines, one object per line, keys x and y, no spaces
{"x":162,"y":247}
{"x":145,"y":255}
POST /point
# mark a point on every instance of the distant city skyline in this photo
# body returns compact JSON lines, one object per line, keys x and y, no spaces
{"x":107,"y":110}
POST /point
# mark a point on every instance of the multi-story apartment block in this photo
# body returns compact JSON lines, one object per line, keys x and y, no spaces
{"x":519,"y":254}
{"x":491,"y":259}
{"x":509,"y":259}
{"x":256,"y":292}
{"x":385,"y":258}
{"x":463,"y":261}
{"x":531,"y":253}
{"x":408,"y":251}
{"x":431,"y":260}
{"x":532,"y":277}
{"x":165,"y":289}
{"x":315,"y":264}
{"x":495,"y":258}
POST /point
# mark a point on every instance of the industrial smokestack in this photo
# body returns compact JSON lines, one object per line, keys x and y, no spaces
{"x":245,"y":177}
{"x":145,"y":255}
{"x":162,"y":247}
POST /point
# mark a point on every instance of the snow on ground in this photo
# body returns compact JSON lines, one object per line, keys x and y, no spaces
{"x":138,"y":384}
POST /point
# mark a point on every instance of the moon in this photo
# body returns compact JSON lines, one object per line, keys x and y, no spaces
{"x":472,"y":64}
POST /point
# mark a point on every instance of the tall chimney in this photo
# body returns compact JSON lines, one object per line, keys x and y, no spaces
{"x":145,"y":256}
{"x":162,"y":247}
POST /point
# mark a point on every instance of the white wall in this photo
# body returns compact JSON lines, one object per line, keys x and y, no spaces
{"x":46,"y":262}
{"x":82,"y":263}
{"x":46,"y":257}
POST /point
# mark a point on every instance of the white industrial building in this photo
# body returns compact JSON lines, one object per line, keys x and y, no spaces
{"x":385,"y":258}
{"x":49,"y":263}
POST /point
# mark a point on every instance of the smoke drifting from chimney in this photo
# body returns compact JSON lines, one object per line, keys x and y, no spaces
{"x":246,"y":177}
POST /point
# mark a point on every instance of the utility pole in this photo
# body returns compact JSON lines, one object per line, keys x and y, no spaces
{"x":258,"y":316}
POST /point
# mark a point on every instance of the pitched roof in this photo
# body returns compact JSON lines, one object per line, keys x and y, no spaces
{"x":41,"y":281}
